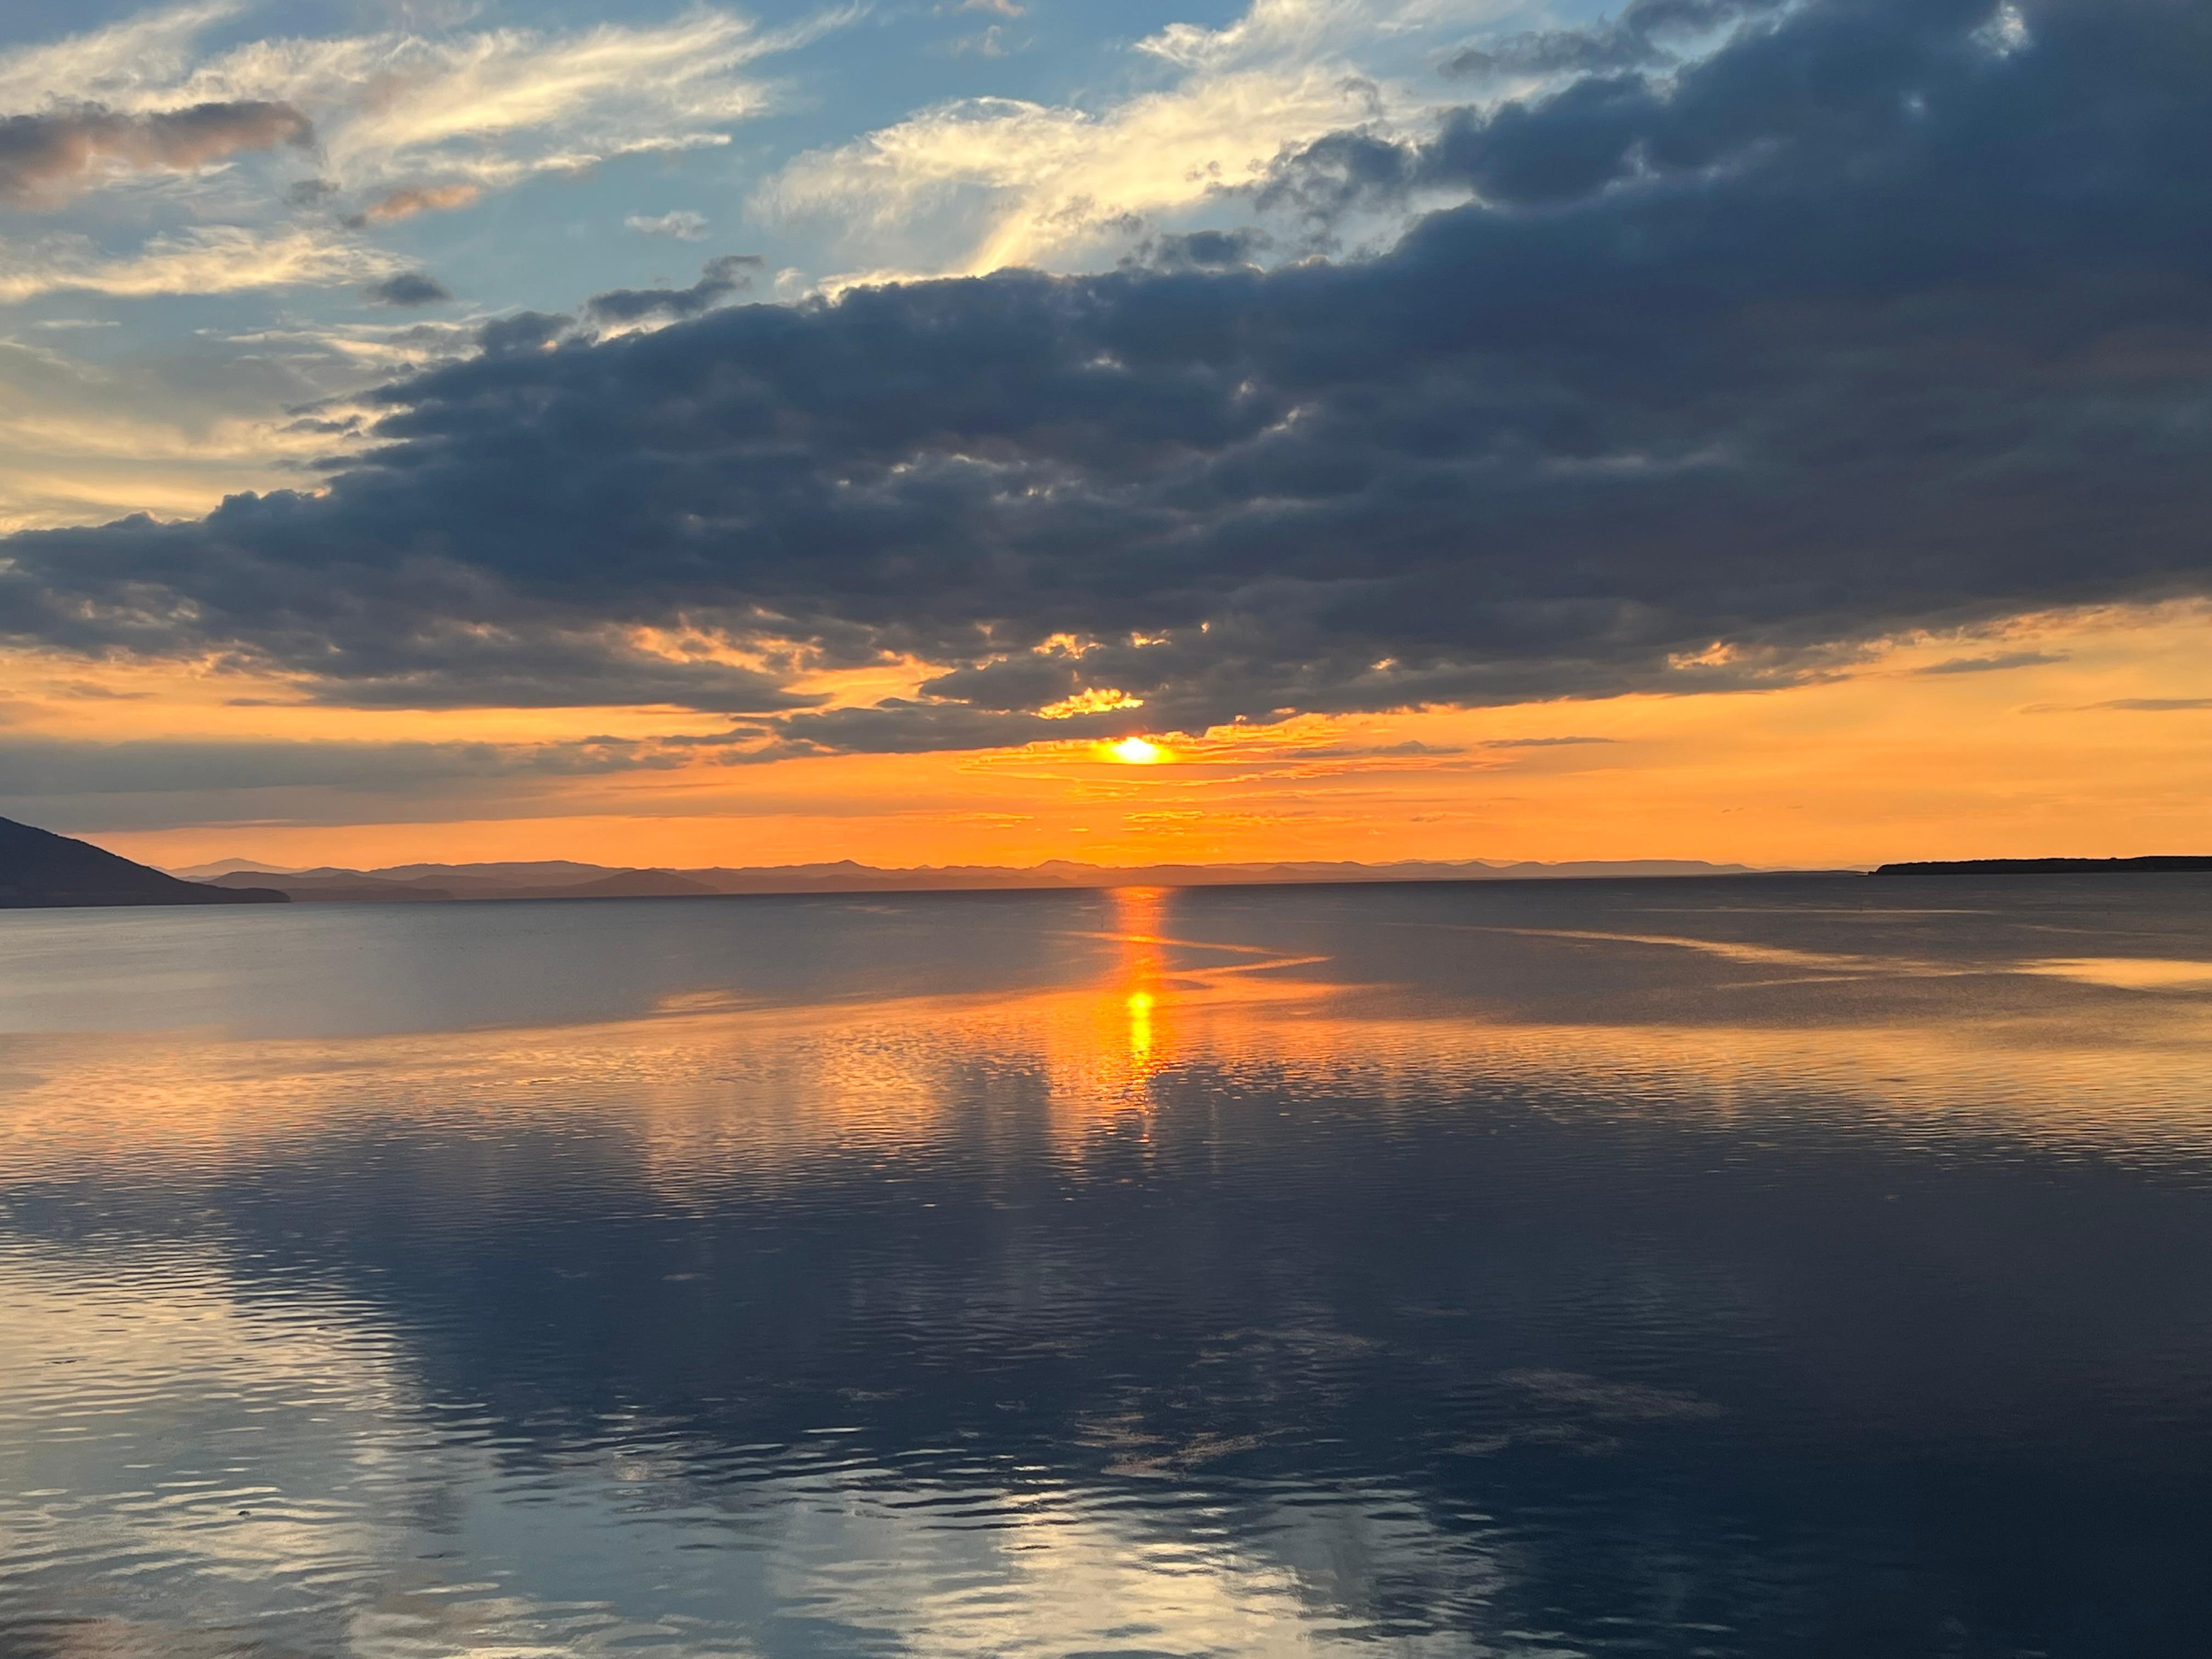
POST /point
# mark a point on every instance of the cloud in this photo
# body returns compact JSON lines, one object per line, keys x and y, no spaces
{"x":45,"y":158}
{"x":426,"y":122}
{"x":986,"y":183}
{"x":1203,"y":250}
{"x":732,"y":273}
{"x":684,"y":224}
{"x":156,"y":783}
{"x":409,"y":288}
{"x":136,"y":428}
{"x":209,"y":259}
{"x":977,"y":184}
{"x":1645,"y":32}
{"x":120,"y":64}
{"x":1723,"y":374}
{"x":1993,"y":665}
{"x":418,"y":199}
{"x":2152,"y":705}
{"x":1540,"y":743}
{"x":40,"y":768}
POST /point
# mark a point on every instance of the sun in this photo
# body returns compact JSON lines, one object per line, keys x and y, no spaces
{"x":1136,"y":751}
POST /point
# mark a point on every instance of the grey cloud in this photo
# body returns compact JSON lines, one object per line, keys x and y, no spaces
{"x":43,"y":768}
{"x":155,"y":784}
{"x":730,"y":274}
{"x":1642,"y":34}
{"x":527,"y":330}
{"x":1993,"y":665}
{"x":1541,"y":743}
{"x":49,"y":156}
{"x":427,"y":660}
{"x":684,"y":224}
{"x":2153,"y":705}
{"x":1203,"y":250}
{"x":411,"y":287}
{"x":1724,"y":375}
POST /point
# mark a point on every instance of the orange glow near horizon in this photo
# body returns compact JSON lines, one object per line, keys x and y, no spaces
{"x":2088,"y":736}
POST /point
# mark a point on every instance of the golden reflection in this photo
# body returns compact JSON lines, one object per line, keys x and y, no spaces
{"x":1138,"y":915}
{"x":2129,"y":973}
{"x":1139,"y":1004}
{"x":703,"y":1096}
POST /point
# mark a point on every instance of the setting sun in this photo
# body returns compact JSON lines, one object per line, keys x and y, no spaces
{"x":1137,"y":751}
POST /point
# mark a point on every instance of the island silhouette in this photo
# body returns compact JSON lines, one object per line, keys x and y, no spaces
{"x":39,"y":870}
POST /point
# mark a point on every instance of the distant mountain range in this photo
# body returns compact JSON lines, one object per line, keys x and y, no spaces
{"x":43,"y":871}
{"x":560,"y":878}
{"x":38,"y":868}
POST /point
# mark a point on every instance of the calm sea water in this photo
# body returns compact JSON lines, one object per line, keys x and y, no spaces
{"x":1811,"y":1268}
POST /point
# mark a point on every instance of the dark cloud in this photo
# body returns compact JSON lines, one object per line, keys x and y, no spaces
{"x":1203,"y":250}
{"x":527,"y":330}
{"x":1885,"y":315}
{"x":48,"y":156}
{"x":732,"y":273}
{"x":411,"y":288}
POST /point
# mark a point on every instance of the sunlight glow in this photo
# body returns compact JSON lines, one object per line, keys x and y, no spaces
{"x":1136,"y":751}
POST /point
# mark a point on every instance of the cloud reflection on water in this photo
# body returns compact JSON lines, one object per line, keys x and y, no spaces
{"x":1244,"y":1274}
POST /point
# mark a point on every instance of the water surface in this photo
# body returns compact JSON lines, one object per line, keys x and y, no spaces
{"x":1704,"y":1267}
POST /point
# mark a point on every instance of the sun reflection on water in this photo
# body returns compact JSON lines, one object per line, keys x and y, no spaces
{"x":707,"y":1091}
{"x":1138,"y":912}
{"x":1139,"y":1004}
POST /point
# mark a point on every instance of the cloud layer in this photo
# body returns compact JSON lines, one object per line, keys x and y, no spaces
{"x":1878,"y":315}
{"x":45,"y":157}
{"x":395,"y":123}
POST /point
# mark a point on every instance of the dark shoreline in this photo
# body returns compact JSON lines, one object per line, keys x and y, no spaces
{"x":2156,"y":865}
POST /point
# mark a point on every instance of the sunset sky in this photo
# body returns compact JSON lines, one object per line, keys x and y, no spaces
{"x":663,"y":433}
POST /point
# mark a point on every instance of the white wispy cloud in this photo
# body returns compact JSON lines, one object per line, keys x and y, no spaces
{"x":206,"y":259}
{"x":117,"y":65}
{"x":428,"y":113}
{"x":1020,"y":183}
{"x":684,"y":224}
{"x":171,"y":433}
{"x":491,"y":106}
{"x":984,"y":183}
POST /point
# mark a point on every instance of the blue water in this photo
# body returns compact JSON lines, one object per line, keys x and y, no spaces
{"x":1795,"y":1268}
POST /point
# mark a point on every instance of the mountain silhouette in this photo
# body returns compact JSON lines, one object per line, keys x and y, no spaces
{"x":41,"y":870}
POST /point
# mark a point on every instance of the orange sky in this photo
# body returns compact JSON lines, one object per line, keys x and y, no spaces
{"x":1887,"y":762}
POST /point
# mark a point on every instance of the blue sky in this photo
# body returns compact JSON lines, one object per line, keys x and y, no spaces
{"x":526,"y":155}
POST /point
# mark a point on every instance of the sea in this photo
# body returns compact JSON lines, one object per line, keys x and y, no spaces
{"x":1808,"y":1267}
